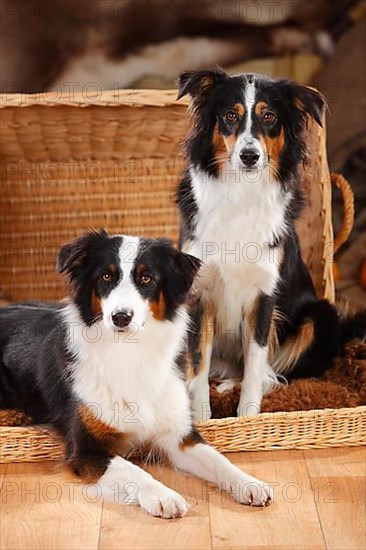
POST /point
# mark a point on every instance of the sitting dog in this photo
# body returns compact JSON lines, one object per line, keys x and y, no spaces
{"x":104,"y":369}
{"x":239,"y":197}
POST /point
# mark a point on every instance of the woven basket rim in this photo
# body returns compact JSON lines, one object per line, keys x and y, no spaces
{"x":317,"y":428}
{"x":98,"y":98}
{"x":261,"y":417}
{"x":285,"y":415}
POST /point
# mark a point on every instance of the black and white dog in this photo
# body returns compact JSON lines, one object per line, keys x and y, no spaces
{"x":239,"y":198}
{"x":104,"y":369}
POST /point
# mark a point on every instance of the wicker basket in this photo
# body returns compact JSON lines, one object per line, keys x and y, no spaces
{"x":112,"y":160}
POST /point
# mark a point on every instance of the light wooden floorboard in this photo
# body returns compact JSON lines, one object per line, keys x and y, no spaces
{"x":319,"y":504}
{"x":339,"y":486}
{"x":3,"y":468}
{"x":43,"y":508}
{"x":122,"y":527}
{"x":342,"y":512}
{"x":291,"y":522}
{"x":343,"y":462}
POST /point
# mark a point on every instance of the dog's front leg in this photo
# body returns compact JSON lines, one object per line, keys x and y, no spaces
{"x":255,"y":335}
{"x":200,"y":353}
{"x":195,"y":456}
{"x":126,"y":483}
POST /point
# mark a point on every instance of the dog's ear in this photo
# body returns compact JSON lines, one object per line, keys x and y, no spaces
{"x":199,"y":83}
{"x":181,"y":273}
{"x":313,"y":102}
{"x":72,"y":255}
{"x":309,"y":101}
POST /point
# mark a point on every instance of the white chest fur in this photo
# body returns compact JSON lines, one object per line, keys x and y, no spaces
{"x":130,"y":381}
{"x":238,"y":220}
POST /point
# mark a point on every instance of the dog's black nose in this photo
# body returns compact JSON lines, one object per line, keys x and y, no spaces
{"x":122,"y":318}
{"x":249,"y":157}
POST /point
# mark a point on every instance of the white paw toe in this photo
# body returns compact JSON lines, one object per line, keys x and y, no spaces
{"x":164,"y":503}
{"x":226,"y":385}
{"x":256,"y":493}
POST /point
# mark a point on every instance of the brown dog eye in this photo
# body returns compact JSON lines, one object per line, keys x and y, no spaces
{"x":106,"y":277}
{"x":231,"y":116}
{"x":269,"y":118}
{"x":146,"y":279}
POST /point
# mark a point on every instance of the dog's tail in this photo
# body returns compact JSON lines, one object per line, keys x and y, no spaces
{"x":319,"y":335}
{"x":353,"y":326}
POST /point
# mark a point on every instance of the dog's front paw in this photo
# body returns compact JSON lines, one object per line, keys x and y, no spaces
{"x":249,"y":406}
{"x":248,"y":409}
{"x":226,"y":385}
{"x":162,"y":502}
{"x":254,"y":492}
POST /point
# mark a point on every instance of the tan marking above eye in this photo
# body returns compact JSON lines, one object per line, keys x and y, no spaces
{"x":240,"y":109}
{"x":140,"y":269}
{"x":260,"y":107}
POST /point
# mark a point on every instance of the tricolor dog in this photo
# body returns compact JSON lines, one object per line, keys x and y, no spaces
{"x":105,"y":368}
{"x":257,"y":315}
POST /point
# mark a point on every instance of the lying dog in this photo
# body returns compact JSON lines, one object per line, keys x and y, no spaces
{"x":239,"y":198}
{"x":103,"y":368}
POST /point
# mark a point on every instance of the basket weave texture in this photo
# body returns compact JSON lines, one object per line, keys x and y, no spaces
{"x":267,"y":431}
{"x":113,"y":160}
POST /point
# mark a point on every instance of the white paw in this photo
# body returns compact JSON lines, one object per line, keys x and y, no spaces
{"x":249,"y":407}
{"x":226,"y":385}
{"x":253,"y":492}
{"x":160,"y":501}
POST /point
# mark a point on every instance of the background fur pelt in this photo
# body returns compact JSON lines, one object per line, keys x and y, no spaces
{"x":344,"y":385}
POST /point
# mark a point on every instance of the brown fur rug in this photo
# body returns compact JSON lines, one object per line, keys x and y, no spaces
{"x":344,"y":385}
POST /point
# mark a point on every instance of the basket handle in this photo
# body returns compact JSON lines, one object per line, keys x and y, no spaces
{"x":348,"y":209}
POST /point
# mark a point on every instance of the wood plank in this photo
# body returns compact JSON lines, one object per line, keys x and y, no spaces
{"x":290,"y":522}
{"x":43,"y":507}
{"x":342,"y":511}
{"x":132,"y":528}
{"x":3,"y":468}
{"x":343,"y":462}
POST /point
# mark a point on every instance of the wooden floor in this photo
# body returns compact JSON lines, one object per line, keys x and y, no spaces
{"x":319,"y":503}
